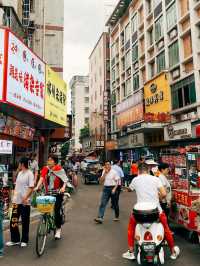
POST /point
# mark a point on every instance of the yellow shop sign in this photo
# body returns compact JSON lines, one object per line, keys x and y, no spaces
{"x":157,"y":95}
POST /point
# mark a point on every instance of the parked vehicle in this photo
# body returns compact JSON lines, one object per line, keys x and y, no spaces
{"x":92,"y":172}
{"x":149,"y":235}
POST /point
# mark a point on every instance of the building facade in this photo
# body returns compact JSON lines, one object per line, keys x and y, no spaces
{"x":79,"y":86}
{"x":99,"y":84}
{"x":154,"y":73}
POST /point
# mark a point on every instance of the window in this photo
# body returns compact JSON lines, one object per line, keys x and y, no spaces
{"x":128,"y":60}
{"x":160,"y":62}
{"x":113,"y":51}
{"x":127,"y":33}
{"x":86,"y":99}
{"x":149,"y":6}
{"x":32,"y":5}
{"x":118,"y":95}
{"x":152,"y":69}
{"x":157,"y":2}
{"x":159,"y":29}
{"x":124,"y":93}
{"x":86,"y":90}
{"x":151,"y":36}
{"x":134,"y":24}
{"x":173,"y":54}
{"x":87,"y":121}
{"x":86,"y":110}
{"x":136,"y":82}
{"x":135,"y":53}
{"x":113,"y":74}
{"x":123,"y":64}
{"x":128,"y":87}
{"x":183,"y":93}
{"x":171,"y":16}
{"x":114,"y":122}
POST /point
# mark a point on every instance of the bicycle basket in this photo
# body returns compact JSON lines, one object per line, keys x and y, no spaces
{"x":45,"y":204}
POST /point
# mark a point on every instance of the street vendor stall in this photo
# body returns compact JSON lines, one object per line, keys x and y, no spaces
{"x":185,"y":181}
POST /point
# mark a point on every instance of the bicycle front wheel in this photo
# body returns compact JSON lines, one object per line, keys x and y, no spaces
{"x":41,"y":237}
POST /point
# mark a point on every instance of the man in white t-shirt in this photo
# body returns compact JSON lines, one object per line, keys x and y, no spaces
{"x":148,"y":189}
{"x":111,"y":182}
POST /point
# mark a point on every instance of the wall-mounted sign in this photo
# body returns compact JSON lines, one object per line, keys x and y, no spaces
{"x":159,"y":117}
{"x":55,"y":98}
{"x":181,"y":130}
{"x":1,"y":61}
{"x":130,"y":116}
{"x":111,"y":145}
{"x":157,"y":97}
{"x":6,"y":147}
{"x":135,"y":99}
{"x":26,"y":77}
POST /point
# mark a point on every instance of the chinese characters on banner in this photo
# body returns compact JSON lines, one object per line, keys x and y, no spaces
{"x":130,"y":116}
{"x":56,"y":98}
{"x":26,"y":77}
{"x":1,"y":61}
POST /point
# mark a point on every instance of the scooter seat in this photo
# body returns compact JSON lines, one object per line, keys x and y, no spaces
{"x":146,"y":213}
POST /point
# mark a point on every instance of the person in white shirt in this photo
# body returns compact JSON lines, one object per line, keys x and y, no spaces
{"x":120,"y":173}
{"x":163,"y":173}
{"x":111,"y":182}
{"x":148,"y":189}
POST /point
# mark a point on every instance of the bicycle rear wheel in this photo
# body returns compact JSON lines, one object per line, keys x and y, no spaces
{"x":41,"y":237}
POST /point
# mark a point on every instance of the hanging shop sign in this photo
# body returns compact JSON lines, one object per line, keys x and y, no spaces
{"x":157,"y":98}
{"x":135,"y":99}
{"x":55,"y":98}
{"x":2,"y":37}
{"x":111,"y":145}
{"x":6,"y":147}
{"x":26,"y":77}
{"x":130,"y":116}
{"x":12,"y":127}
{"x":181,"y":130}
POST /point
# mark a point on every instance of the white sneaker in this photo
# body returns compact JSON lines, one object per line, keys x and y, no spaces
{"x":58,"y":234}
{"x":11,"y":244}
{"x":129,"y":255}
{"x":175,"y":255}
{"x":24,"y":245}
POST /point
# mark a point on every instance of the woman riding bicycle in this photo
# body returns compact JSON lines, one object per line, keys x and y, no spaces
{"x":54,"y":178}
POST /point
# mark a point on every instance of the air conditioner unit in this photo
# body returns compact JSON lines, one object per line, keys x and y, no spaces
{"x":184,"y":117}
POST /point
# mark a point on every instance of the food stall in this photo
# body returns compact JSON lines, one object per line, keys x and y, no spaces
{"x":185,"y":181}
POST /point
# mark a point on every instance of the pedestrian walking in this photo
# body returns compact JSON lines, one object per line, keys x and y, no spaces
{"x":21,"y":205}
{"x":1,"y":218}
{"x":111,"y":182}
{"x":126,"y":169}
{"x":163,"y":173}
{"x":33,"y":166}
{"x":120,"y":173}
{"x":134,"y":169}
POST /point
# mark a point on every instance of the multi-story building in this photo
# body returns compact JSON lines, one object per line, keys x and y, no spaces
{"x":99,"y":84}
{"x":79,"y":86}
{"x":155,"y":66}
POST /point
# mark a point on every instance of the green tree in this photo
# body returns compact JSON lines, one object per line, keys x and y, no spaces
{"x":64,"y":149}
{"x":84,"y":133}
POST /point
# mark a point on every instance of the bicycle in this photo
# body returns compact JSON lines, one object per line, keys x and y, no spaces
{"x":47,"y":222}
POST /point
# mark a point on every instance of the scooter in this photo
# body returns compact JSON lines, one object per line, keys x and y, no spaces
{"x":149,"y":235}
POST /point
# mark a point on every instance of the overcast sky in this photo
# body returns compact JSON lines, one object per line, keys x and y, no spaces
{"x":84,"y":23}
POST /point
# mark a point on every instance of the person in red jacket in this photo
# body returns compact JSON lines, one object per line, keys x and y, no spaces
{"x":53,"y":176}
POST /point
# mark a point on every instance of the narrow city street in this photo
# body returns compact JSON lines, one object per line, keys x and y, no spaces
{"x":87,"y":244}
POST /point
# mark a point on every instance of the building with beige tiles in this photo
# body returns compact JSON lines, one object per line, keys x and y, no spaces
{"x":155,"y":73}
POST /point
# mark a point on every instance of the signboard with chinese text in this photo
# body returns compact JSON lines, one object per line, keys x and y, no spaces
{"x":157,"y":96}
{"x":26,"y":77}
{"x":55,"y":98}
{"x":181,"y":130}
{"x":12,"y":127}
{"x":1,"y":61}
{"x":6,"y":147}
{"x":133,"y":100}
{"x":130,"y":116}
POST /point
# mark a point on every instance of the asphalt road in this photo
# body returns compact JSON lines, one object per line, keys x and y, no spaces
{"x":87,"y":244}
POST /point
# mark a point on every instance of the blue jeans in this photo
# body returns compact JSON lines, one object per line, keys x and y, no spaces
{"x":106,"y":196}
{"x":1,"y":231}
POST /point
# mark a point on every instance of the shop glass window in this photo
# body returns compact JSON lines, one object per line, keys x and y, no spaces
{"x":173,"y":54}
{"x":183,"y":93}
{"x":135,"y":53}
{"x":171,"y":16}
{"x":134,"y":24}
{"x":161,"y":62}
{"x":127,"y":33}
{"x":159,"y":29}
{"x":136,"y":83}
